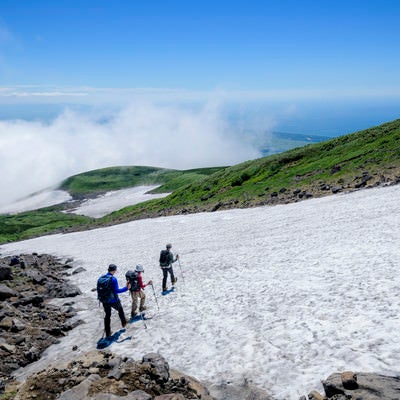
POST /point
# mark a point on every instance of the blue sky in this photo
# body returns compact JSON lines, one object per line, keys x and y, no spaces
{"x":202,"y":45}
{"x":224,"y":73}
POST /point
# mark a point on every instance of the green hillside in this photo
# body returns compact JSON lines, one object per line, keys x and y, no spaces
{"x":364,"y":159}
{"x":38,"y":223}
{"x":89,"y":184}
{"x":93,"y":183}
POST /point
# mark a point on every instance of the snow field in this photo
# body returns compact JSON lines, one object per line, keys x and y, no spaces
{"x":115,"y":200}
{"x":282,"y":296}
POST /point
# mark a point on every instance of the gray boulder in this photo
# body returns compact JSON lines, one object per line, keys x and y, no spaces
{"x":158,"y":366}
{"x":6,"y":292}
{"x":62,"y":290}
{"x":78,"y":270}
{"x":135,"y":395}
{"x":80,"y":391}
{"x":5,"y":273}
{"x":244,"y":391}
{"x":37,"y":277}
{"x":370,"y":387}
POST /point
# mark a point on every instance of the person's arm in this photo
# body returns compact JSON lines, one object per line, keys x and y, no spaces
{"x":176,"y":258}
{"x":116,"y":288}
{"x":140,"y":281}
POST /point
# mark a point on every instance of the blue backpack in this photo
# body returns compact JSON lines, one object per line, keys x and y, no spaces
{"x":105,"y":292}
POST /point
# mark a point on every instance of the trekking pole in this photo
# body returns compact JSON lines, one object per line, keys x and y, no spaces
{"x":144,"y":322}
{"x":179,"y":263}
{"x":154,"y":292}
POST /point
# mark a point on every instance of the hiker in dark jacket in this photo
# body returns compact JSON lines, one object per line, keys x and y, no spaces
{"x":114,"y":301}
{"x":166,"y":261}
{"x":139,"y":292}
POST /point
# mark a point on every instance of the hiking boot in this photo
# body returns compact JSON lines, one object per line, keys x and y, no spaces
{"x":124,"y":324}
{"x":165,"y":289}
{"x":174,"y":281}
{"x":133,"y":315}
{"x":142,"y":308}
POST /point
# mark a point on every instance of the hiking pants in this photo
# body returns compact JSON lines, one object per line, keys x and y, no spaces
{"x":107,"y":319}
{"x":135,"y":297}
{"x":165,"y":276}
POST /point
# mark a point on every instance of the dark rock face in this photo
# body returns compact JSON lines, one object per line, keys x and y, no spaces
{"x":101,"y":375}
{"x":28,"y":324}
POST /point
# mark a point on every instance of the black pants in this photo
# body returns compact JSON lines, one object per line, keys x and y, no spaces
{"x":107,"y":319}
{"x":165,"y":276}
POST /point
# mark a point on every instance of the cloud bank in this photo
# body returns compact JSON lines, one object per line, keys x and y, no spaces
{"x":36,"y":155}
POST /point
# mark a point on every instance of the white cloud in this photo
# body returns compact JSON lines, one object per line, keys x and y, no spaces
{"x":36,"y":155}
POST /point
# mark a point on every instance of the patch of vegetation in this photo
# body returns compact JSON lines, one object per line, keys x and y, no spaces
{"x":37,"y":223}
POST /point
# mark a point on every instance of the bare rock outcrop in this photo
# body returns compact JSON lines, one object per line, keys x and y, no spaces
{"x":101,"y":375}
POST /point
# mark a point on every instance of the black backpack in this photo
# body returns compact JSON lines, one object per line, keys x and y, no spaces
{"x":105,"y":292}
{"x":164,"y":258}
{"x":132,"y":278}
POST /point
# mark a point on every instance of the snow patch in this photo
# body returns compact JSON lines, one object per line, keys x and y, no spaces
{"x":115,"y":200}
{"x":282,"y":296}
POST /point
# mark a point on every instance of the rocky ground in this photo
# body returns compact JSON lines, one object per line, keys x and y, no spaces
{"x":103,"y":375}
{"x":29,"y":323}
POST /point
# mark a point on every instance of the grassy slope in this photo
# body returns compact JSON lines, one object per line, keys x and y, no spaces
{"x":340,"y":162}
{"x":99,"y":181}
{"x":285,"y":177}
{"x":37,"y":223}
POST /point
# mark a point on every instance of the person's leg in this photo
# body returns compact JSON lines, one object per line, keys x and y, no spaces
{"x":118,"y":306}
{"x":134,"y":304}
{"x":142,"y":297}
{"x":171,"y":271}
{"x":165,"y":276}
{"x":107,"y":319}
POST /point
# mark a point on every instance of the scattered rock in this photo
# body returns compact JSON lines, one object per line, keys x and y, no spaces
{"x":337,"y":189}
{"x":5,"y":273}
{"x":37,"y":277}
{"x":349,"y":380}
{"x":28,"y":324}
{"x":6,"y":292}
{"x":81,"y":390}
{"x":138,"y":380}
{"x":369,"y":386}
{"x":78,"y":270}
{"x":62,"y":290}
{"x":158,"y":367}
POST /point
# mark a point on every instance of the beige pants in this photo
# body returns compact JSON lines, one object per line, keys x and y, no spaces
{"x":135,"y":298}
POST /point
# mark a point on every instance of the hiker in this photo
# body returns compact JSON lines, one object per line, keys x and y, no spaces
{"x":136,"y":282}
{"x":166,"y":261}
{"x":108,"y":289}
